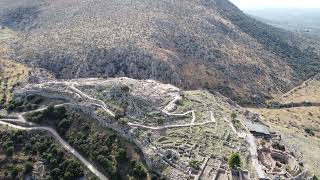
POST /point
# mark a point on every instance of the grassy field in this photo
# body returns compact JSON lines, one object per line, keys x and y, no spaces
{"x":299,"y":118}
{"x":10,"y":75}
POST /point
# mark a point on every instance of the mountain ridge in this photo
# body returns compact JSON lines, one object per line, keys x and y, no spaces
{"x":193,"y":44}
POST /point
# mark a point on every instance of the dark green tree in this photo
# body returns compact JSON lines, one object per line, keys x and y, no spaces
{"x":121,"y":155}
{"x":233,"y":115}
{"x":14,"y":172}
{"x":55,"y":173}
{"x":137,"y":169}
{"x":73,"y":168}
{"x":234,"y":161}
{"x":28,"y":167}
{"x":9,"y":151}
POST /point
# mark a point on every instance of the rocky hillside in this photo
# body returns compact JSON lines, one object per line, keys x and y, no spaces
{"x":190,"y":43}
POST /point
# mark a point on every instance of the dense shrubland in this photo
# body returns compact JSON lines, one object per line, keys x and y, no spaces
{"x":23,"y":149}
{"x":26,"y":103}
{"x":103,"y":147}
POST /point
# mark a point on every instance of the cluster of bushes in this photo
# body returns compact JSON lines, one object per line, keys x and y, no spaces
{"x":102,"y":147}
{"x":106,"y":150}
{"x":137,"y":169}
{"x":233,"y":115}
{"x":277,"y":145}
{"x":309,"y":131}
{"x":234,"y":161}
{"x":55,"y":116}
{"x":3,"y":99}
{"x":36,"y":146}
{"x":195,"y":164}
{"x":278,"y":105}
{"x":28,"y":103}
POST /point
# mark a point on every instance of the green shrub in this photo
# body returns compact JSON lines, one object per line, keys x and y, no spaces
{"x":234,"y":161}
{"x":73,"y":169}
{"x":55,"y":173}
{"x":9,"y":151}
{"x":160,"y":121}
{"x":233,"y":115}
{"x":309,"y":131}
{"x":263,"y":142}
{"x":106,"y":163}
{"x":137,"y":169}
{"x":195,"y":164}
{"x":28,"y":167}
{"x":27,"y":147}
{"x":14,"y":172}
{"x":121,"y":155}
{"x":63,"y":126}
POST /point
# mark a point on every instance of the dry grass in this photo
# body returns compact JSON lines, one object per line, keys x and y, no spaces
{"x":11,"y":74}
{"x":309,"y":91}
{"x":3,"y":49}
{"x":6,"y":34}
{"x":294,"y":118}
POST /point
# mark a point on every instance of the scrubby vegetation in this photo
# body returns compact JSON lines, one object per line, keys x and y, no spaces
{"x":278,"y":105}
{"x":27,"y":103}
{"x":10,"y":75}
{"x":169,"y":41}
{"x":195,"y":164}
{"x":309,"y":131}
{"x":103,"y":147}
{"x":21,"y":150}
{"x":55,"y":116}
{"x":283,"y":43}
{"x":233,"y":115}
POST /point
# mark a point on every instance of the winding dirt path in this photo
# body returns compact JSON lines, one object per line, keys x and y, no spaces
{"x":71,"y":85}
{"x":63,"y":143}
{"x":164,"y":110}
{"x":100,"y":102}
{"x":170,"y":126}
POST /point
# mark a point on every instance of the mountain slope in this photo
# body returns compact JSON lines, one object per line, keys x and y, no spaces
{"x":193,"y":43}
{"x":303,"y":22}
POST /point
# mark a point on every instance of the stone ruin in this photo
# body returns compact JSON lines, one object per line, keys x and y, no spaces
{"x":278,"y":162}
